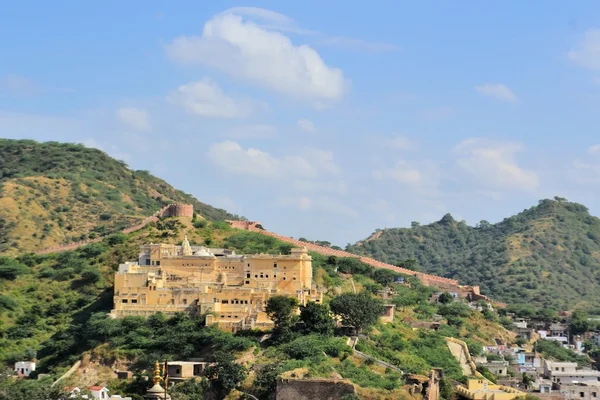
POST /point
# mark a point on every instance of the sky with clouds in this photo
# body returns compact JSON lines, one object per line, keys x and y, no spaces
{"x":320,"y":119}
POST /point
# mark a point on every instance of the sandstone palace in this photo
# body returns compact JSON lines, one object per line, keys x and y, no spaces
{"x":231,"y":289}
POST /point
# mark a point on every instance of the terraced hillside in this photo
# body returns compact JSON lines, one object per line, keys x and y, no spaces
{"x":54,"y":193}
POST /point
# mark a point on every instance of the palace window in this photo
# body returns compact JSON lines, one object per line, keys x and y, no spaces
{"x":275,"y":264}
{"x":184,"y":301}
{"x":124,"y":301}
{"x":134,"y":301}
{"x":225,"y":301}
{"x":248,"y":275}
{"x":247,"y":282}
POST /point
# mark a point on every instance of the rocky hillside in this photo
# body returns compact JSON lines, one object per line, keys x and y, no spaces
{"x":54,"y":193}
{"x":548,"y":255}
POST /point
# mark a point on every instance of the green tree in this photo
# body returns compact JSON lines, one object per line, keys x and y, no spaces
{"x":190,"y":389}
{"x":316,"y":318}
{"x":445,"y":298}
{"x":359,"y":311}
{"x":280,"y":309}
{"x":225,"y":374}
{"x":580,"y":322}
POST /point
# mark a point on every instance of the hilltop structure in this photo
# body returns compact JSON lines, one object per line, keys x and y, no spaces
{"x":232,"y":289}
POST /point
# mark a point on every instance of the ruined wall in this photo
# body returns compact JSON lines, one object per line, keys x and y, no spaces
{"x":312,"y":389}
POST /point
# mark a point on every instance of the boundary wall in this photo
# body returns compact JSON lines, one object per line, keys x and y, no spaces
{"x":427,"y":279}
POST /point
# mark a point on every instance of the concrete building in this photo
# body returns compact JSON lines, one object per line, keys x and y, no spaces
{"x":232,"y":289}
{"x":580,"y":391}
{"x":182,"y":370}
{"x":498,"y":368}
{"x":24,"y":368}
{"x":561,"y":373}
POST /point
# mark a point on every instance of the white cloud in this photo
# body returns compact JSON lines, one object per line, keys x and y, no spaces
{"x":231,"y":157}
{"x":493,"y":165}
{"x":587,"y":54}
{"x":306,"y":125}
{"x":259,"y":55}
{"x":135,"y":118}
{"x":595,"y":149}
{"x":497,"y":91}
{"x":359,"y":44}
{"x":205,"y":98}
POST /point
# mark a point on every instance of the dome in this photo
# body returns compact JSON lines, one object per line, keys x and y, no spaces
{"x":203,"y":252}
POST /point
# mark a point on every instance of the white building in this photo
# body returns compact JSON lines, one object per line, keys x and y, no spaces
{"x":24,"y":367}
{"x":562,"y":373}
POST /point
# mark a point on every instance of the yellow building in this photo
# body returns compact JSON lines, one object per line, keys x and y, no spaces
{"x":233,"y":288}
{"x":482,"y":389}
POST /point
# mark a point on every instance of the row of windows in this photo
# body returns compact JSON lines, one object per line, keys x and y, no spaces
{"x":236,"y":301}
{"x":133,"y":301}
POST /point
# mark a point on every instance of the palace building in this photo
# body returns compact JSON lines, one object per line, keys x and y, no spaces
{"x":231,"y":289}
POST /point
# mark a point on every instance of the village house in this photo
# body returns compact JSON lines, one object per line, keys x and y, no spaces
{"x":496,"y":367}
{"x":182,"y":370}
{"x":24,"y":368}
{"x":231,"y":289}
{"x":580,"y":391}
{"x":561,"y":373}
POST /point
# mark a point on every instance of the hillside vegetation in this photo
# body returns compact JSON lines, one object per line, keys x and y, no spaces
{"x":54,"y":193}
{"x":548,"y":255}
{"x":53,"y":308}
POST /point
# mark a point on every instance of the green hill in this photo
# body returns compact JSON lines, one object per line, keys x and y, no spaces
{"x":548,"y":255}
{"x":54,"y":193}
{"x":53,"y":308}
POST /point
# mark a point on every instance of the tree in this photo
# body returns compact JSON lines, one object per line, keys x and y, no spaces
{"x":445,"y":298}
{"x":316,"y":318}
{"x":579,"y":322}
{"x":90,"y":275}
{"x":279,"y":309}
{"x":359,"y":311}
{"x":225,"y":374}
{"x":190,"y":389}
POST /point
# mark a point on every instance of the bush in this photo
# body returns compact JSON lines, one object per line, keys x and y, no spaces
{"x":90,"y":275}
{"x":11,"y":269}
{"x":313,"y":346}
{"x":7,"y":303}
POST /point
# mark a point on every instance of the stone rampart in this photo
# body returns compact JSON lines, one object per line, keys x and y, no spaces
{"x":427,"y":279}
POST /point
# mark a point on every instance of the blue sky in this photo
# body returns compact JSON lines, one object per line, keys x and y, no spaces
{"x":320,"y":119}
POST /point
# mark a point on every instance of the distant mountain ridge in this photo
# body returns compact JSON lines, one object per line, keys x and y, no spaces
{"x":547,"y":255}
{"x":53,"y":193}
